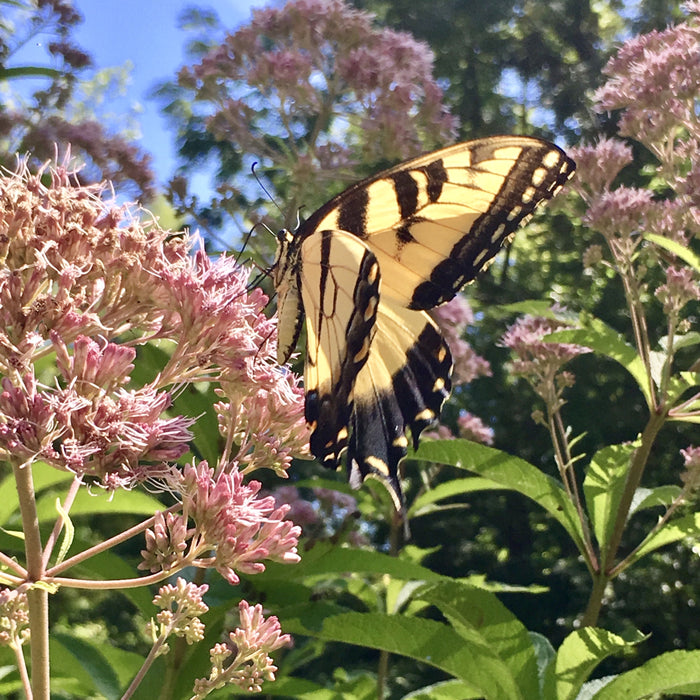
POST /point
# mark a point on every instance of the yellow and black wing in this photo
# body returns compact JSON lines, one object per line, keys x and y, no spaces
{"x":366,"y":265}
{"x":437,"y":220}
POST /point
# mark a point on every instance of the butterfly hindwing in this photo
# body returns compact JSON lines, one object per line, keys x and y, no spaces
{"x":339,"y":281}
{"x":403,"y":384}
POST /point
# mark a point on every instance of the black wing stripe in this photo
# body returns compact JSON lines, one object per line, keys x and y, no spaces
{"x":437,"y":177}
{"x":352,"y":214}
{"x":328,"y":407}
{"x":529,"y":184}
{"x":403,"y":385}
{"x":406,"y":189}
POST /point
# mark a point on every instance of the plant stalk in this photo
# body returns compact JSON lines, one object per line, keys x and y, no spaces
{"x":37,"y":598}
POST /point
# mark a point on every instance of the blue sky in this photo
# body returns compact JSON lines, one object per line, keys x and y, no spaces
{"x":145,"y":32}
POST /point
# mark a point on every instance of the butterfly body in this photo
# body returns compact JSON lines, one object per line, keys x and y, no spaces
{"x":365,"y":267}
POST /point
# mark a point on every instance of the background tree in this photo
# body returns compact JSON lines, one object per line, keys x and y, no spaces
{"x":315,"y":94}
{"x":62,"y":110}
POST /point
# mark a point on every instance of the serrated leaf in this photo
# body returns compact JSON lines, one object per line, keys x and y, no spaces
{"x":673,"y":672}
{"x":680,"y":251}
{"x":684,"y":340}
{"x":603,"y":487}
{"x":511,"y":472}
{"x":678,"y":529}
{"x":471,"y":660}
{"x":471,"y":610}
{"x":579,"y":654}
{"x":652,"y":498}
{"x":597,"y":336}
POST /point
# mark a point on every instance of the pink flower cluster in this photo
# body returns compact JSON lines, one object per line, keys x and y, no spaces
{"x":244,"y":660}
{"x":234,"y":529}
{"x":369,"y":93}
{"x":84,"y":283}
{"x":453,"y":318}
{"x":325,"y":514}
{"x":181,"y":605}
{"x":691,"y":471}
{"x":14,"y":618}
{"x":538,"y":361}
{"x":655,"y":80}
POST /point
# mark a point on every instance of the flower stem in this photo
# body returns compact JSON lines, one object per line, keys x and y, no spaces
{"x":37,"y":598}
{"x":148,"y":662}
{"x":634,"y":476}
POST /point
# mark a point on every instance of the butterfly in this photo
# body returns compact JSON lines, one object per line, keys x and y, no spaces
{"x":364,"y":269}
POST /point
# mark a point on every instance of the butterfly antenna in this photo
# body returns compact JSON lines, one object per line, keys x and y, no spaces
{"x":265,"y":190}
{"x":245,"y":243}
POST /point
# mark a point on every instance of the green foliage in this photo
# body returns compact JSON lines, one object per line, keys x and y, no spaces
{"x":424,"y":621}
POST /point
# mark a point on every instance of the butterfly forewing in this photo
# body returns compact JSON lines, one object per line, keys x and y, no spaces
{"x":437,"y":220}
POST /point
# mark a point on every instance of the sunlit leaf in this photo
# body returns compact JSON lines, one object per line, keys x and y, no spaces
{"x":579,"y":654}
{"x":603,"y":488}
{"x":511,"y":472}
{"x":674,"y":672}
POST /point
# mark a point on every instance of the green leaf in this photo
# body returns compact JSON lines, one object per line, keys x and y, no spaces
{"x":652,"y":498}
{"x":579,"y":654}
{"x":29,"y":72}
{"x":674,"y":672}
{"x":685,"y":340}
{"x":325,"y":559}
{"x":680,"y":251}
{"x":538,"y":307}
{"x":678,"y":529}
{"x":445,"y":690}
{"x":603,"y":488}
{"x":449,"y":489}
{"x":99,"y":502}
{"x":43,"y":476}
{"x":107,"y":566}
{"x":472,"y":610}
{"x":678,"y":385}
{"x":597,"y":336}
{"x":545,"y":655}
{"x":91,"y":660}
{"x":471,"y":659}
{"x":197,"y":400}
{"x":289,"y":688}
{"x":511,"y":472}
{"x":126,"y":664}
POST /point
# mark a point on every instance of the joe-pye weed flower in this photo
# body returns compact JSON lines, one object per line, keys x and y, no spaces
{"x":84,"y":286}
